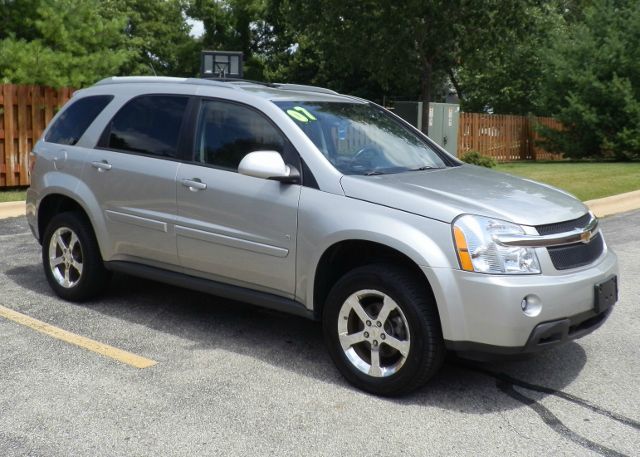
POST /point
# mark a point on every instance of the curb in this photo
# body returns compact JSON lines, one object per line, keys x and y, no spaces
{"x":615,"y":204}
{"x":12,"y":209}
{"x":601,"y":207}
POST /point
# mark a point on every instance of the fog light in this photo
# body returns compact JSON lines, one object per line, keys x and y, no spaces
{"x":531,"y":305}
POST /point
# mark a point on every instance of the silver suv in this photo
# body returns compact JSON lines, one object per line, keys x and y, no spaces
{"x":326,"y":206}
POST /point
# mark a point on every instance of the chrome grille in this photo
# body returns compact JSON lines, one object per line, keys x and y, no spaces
{"x":561,"y":227}
{"x":577,"y":254}
{"x":572,"y":255}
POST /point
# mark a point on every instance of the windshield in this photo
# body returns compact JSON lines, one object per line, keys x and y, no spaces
{"x":362,"y":139}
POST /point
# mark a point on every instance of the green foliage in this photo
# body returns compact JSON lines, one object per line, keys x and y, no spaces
{"x":60,"y":43}
{"x":17,"y":16}
{"x":76,"y":42}
{"x":346,"y":46}
{"x":158,"y":35}
{"x":414,"y":49}
{"x":475,"y":158}
{"x":506,"y":76}
{"x":593,"y":83}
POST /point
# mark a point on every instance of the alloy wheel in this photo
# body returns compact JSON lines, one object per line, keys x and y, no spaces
{"x":65,"y":257}
{"x":373,"y":333}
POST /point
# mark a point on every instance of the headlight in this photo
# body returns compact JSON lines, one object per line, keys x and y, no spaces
{"x":477,"y":250}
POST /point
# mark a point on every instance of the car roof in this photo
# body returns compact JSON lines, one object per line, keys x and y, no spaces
{"x":270,"y":91}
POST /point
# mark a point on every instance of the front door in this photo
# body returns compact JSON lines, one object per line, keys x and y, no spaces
{"x":231,"y":227}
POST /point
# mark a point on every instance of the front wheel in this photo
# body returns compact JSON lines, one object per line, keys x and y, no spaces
{"x":382,"y":329}
{"x":71,"y":258}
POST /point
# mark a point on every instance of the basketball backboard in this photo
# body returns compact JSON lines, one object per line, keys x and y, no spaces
{"x":221,"y":64}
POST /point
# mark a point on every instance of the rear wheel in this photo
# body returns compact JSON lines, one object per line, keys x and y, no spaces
{"x":382,"y":329}
{"x":71,"y":258}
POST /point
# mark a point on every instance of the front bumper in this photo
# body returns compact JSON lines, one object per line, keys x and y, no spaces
{"x":544,"y":336}
{"x":482,"y":313}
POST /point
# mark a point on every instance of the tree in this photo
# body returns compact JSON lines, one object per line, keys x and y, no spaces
{"x":352,"y":47}
{"x":16,"y":16}
{"x":507,"y":75}
{"x":593,"y":83}
{"x":384,"y":46}
{"x":60,"y":42}
{"x":158,"y":37}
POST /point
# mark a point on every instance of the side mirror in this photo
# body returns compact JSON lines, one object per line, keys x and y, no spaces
{"x":268,"y":165}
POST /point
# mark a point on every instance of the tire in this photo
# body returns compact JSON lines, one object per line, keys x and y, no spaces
{"x":71,"y":258}
{"x":408,"y":340}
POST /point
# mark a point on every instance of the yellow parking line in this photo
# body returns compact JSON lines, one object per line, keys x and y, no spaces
{"x":72,"y":338}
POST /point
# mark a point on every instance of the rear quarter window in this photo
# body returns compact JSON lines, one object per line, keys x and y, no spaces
{"x":76,"y":118}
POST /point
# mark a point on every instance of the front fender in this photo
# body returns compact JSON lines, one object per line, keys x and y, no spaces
{"x":326,"y":219}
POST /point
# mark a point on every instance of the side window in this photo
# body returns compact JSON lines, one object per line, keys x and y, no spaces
{"x":149,"y":124}
{"x":227,"y":132}
{"x":76,"y":119}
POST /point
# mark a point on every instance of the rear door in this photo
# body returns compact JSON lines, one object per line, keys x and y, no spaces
{"x":235,"y":228}
{"x":132,"y":173}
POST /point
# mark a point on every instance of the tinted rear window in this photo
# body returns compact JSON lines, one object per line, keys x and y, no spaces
{"x":149,"y":124}
{"x":76,"y":119}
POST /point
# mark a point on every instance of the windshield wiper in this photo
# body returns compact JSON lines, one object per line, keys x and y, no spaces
{"x":373,"y":173}
{"x":426,"y":167}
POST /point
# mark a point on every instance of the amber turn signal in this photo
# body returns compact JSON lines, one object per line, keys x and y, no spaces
{"x":463,"y":251}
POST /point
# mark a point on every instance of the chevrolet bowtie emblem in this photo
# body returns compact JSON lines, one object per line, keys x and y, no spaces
{"x":585,"y":237}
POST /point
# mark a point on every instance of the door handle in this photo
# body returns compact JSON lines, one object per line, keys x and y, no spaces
{"x":101,"y":166}
{"x":194,"y":184}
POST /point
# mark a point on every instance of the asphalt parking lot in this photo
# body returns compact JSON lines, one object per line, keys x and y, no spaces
{"x":231,"y":379}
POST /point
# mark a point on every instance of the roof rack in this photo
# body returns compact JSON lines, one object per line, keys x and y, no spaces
{"x":282,"y":86}
{"x":305,"y":88}
{"x":207,"y":82}
{"x":160,"y":79}
{"x":241,"y":80}
{"x":229,"y":83}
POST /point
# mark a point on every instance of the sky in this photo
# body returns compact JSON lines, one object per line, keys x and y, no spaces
{"x":197,"y":27}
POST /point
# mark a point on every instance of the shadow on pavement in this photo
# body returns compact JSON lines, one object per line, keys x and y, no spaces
{"x":296,"y":344}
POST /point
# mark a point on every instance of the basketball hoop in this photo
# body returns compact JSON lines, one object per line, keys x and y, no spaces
{"x":221,"y":64}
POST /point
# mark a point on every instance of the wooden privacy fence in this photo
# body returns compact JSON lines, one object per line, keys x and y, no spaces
{"x":505,"y":138}
{"x":24,"y":113}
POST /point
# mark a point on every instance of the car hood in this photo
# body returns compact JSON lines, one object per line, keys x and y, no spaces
{"x":446,"y":193}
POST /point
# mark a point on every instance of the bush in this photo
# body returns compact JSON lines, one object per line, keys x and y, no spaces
{"x":475,"y":158}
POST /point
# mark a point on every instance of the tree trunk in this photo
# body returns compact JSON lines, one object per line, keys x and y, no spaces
{"x":425,"y":93}
{"x":455,"y":83}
